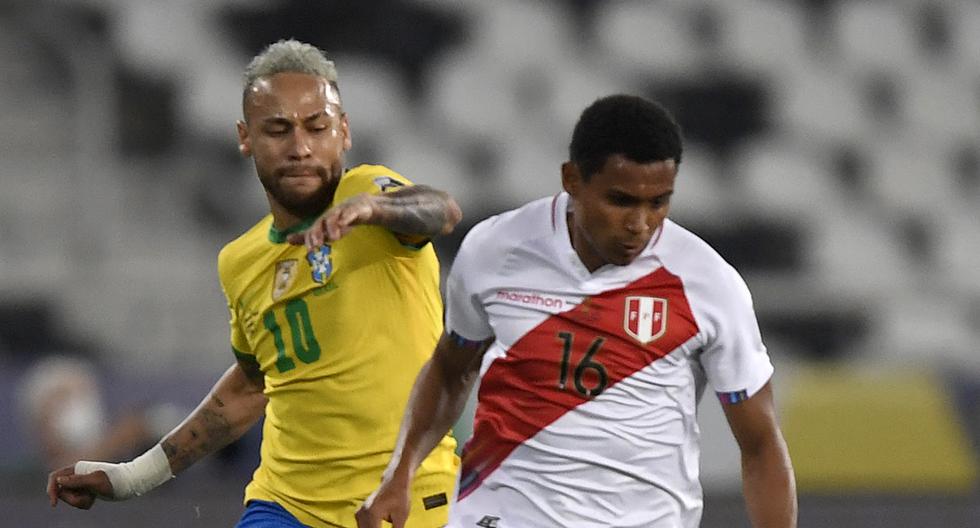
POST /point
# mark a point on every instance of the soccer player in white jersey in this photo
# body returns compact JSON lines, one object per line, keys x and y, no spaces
{"x":594,"y":324}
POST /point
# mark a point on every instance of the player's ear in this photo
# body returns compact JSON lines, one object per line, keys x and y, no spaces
{"x":571,"y":177}
{"x":244,"y":142}
{"x":345,"y":128}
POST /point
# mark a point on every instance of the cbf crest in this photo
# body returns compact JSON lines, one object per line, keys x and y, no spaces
{"x":645,"y":318}
{"x":320,"y":263}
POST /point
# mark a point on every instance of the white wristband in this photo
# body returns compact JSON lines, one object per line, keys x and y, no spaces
{"x":133,"y":478}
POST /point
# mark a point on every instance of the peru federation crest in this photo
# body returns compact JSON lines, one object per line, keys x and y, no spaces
{"x":320,"y":263}
{"x":645,"y":318}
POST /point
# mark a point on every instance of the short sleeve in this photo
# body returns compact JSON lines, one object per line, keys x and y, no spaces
{"x":465,"y":314}
{"x":378,"y":179}
{"x":239,"y":340}
{"x":239,"y":344}
{"x":371,"y":179}
{"x":734,"y":358}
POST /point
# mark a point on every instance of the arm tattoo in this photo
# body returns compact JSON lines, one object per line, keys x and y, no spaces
{"x":207,"y":431}
{"x":419,"y":210}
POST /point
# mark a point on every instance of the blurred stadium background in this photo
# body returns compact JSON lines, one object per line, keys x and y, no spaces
{"x":832,"y":155}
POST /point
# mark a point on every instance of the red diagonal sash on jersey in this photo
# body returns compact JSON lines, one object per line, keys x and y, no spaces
{"x":570,"y":358}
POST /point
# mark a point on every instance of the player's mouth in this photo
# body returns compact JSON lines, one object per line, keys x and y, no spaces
{"x":632,"y":245}
{"x":306,"y":173}
{"x":299,"y":171}
{"x":630,"y":249}
{"x":301,"y":176}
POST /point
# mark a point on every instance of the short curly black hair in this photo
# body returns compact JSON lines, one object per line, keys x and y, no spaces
{"x":635,"y":127}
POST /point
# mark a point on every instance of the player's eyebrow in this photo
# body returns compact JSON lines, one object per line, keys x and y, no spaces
{"x":617,"y":193}
{"x":315,"y":115}
{"x":279,"y":119}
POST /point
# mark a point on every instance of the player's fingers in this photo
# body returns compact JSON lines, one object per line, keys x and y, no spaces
{"x":296,"y":239}
{"x":308,"y":237}
{"x":361,"y":213}
{"x":365,"y":519}
{"x":52,"y":492}
{"x":76,"y":498}
{"x":95,"y":482}
{"x":52,"y":488}
{"x":333,"y":227}
{"x":398,"y":519}
{"x":349,"y":216}
{"x":351,"y":213}
{"x":346,"y":211}
{"x":316,"y":234}
{"x":73,"y":481}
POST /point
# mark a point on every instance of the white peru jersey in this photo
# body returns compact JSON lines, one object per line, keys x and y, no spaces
{"x":588,"y":396}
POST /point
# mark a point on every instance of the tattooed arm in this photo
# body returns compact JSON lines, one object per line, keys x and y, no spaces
{"x":234,"y":404}
{"x":418,"y":210}
{"x":413,"y":213}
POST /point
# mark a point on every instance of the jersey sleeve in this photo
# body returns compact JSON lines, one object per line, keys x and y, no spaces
{"x":378,"y":179}
{"x":371,"y":179}
{"x":239,"y":343}
{"x":465,"y":314}
{"x":735,"y":359}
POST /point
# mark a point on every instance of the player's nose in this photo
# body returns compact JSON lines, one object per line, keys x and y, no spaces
{"x":637,"y":222}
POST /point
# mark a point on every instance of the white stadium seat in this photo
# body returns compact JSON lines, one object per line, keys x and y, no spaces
{"x":652,"y":38}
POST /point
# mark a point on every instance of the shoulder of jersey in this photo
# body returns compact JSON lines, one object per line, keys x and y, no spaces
{"x":511,"y":228}
{"x":244,"y":247}
{"x":368,"y":178}
{"x":681,"y":249}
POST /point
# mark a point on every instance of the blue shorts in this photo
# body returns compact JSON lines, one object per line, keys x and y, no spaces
{"x":264,"y":514}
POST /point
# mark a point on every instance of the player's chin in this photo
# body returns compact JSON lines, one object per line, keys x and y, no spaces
{"x":622,"y":257}
{"x":304,"y":202}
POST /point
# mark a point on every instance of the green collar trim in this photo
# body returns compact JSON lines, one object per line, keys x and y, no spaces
{"x":277,"y":236}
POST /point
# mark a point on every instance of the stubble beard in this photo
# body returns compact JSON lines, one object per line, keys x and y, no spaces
{"x":300,"y":204}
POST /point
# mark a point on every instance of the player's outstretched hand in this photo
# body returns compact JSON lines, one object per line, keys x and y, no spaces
{"x":388,"y":503}
{"x":79,"y":491}
{"x":337,"y":221}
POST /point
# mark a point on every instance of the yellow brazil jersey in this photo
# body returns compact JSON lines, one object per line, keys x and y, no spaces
{"x":340,"y":334}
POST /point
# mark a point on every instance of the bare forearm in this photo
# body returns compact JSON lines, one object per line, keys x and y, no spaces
{"x":770,"y":487}
{"x":767,"y":473}
{"x":436,"y":402}
{"x":418,"y":210}
{"x":225,"y":414}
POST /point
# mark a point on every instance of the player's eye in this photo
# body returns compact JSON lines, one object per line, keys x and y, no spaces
{"x":621,"y":201}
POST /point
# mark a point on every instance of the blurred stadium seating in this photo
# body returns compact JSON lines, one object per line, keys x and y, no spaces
{"x":833,"y":156}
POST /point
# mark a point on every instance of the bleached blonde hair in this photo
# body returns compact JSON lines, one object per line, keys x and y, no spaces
{"x":289,"y":56}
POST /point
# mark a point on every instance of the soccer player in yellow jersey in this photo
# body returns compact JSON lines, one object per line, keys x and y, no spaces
{"x":329,"y":331}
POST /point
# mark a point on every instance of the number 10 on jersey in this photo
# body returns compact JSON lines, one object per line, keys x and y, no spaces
{"x":305,"y":346}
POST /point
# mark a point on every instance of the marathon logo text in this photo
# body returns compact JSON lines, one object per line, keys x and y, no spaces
{"x":531,"y":298}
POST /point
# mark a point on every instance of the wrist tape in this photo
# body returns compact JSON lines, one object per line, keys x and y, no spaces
{"x":133,"y":478}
